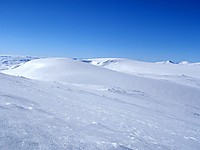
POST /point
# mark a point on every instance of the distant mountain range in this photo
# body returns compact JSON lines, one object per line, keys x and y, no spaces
{"x":7,"y":62}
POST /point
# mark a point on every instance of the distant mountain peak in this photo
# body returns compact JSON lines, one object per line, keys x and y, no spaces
{"x":7,"y":62}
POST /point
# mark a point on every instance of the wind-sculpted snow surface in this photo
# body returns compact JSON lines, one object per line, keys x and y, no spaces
{"x":75,"y":105}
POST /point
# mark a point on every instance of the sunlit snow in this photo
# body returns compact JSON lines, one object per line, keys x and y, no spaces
{"x":60,"y":103}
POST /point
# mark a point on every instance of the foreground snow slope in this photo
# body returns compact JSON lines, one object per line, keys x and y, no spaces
{"x":77,"y":105}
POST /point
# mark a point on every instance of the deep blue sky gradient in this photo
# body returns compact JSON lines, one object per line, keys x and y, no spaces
{"x":149,"y":30}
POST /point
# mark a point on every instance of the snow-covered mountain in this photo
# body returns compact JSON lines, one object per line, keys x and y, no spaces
{"x":183,"y":73}
{"x":167,"y":62}
{"x":138,"y":67}
{"x":60,"y":103}
{"x":7,"y":62}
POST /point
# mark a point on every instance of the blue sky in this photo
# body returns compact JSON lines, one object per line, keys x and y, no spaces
{"x":151,"y":30}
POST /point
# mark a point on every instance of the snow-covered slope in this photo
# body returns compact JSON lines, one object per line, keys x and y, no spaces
{"x":183,"y":73}
{"x":77,"y":105}
{"x":138,"y":67}
{"x":66,"y":71}
{"x":166,"y":62}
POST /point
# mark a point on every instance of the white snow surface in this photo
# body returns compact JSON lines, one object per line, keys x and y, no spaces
{"x":183,"y":73}
{"x":138,"y":67}
{"x":60,"y":103}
